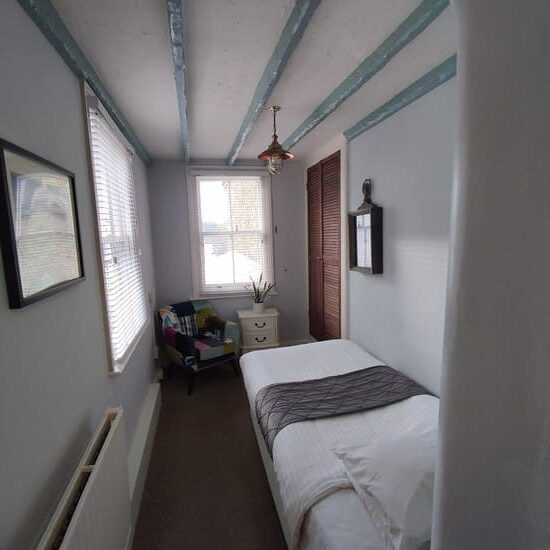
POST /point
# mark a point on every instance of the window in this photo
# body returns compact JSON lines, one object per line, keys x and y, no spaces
{"x":125,"y":296}
{"x":231,"y":232}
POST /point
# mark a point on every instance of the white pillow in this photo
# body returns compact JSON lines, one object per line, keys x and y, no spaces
{"x":394,"y":477}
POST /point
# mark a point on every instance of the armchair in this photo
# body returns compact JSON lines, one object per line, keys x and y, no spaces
{"x":195,"y":338}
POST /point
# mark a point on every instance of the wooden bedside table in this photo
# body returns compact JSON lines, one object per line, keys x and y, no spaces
{"x":259,"y":330}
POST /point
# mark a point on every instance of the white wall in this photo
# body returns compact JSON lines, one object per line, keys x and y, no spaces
{"x":168,"y":199}
{"x":493,"y":480}
{"x":399,"y":316}
{"x":54,"y":385}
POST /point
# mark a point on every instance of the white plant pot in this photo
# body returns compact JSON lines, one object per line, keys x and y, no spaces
{"x":257,"y":308}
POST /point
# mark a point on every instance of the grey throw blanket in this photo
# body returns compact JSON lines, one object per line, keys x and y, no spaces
{"x":279,"y":405}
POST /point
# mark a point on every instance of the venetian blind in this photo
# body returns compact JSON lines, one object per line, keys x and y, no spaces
{"x":118,"y":233}
{"x":234,"y":233}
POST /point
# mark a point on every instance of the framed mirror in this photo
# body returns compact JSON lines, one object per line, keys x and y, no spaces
{"x":365,"y":235}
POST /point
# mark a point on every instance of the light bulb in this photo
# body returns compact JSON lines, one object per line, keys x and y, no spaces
{"x":275,"y":165}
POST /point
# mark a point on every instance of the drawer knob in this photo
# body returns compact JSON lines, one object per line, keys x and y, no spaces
{"x":260,"y":339}
{"x":260,"y":325}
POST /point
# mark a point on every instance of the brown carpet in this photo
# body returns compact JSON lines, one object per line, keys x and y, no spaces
{"x":206,"y":487}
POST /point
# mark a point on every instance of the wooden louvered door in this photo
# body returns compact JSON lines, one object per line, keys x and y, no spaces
{"x":315,"y":251}
{"x":330,"y":178}
{"x":324,"y":247}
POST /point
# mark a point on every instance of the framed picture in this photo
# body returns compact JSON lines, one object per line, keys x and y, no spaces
{"x":38,"y":226}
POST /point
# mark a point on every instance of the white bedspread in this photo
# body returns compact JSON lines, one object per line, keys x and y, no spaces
{"x":340,"y":522}
{"x":305,"y":466}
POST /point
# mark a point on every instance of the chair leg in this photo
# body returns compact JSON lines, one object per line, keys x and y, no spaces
{"x":235,"y":365}
{"x":191,"y":383}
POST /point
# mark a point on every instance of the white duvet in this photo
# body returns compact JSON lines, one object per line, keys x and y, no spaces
{"x":306,"y":468}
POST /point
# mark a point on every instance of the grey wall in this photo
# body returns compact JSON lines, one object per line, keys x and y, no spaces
{"x":168,"y":199}
{"x":399,"y":316}
{"x":54,"y":383}
{"x":493,"y":475}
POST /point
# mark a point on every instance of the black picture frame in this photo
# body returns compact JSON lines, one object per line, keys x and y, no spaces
{"x":39,"y":226}
{"x":365,"y":229}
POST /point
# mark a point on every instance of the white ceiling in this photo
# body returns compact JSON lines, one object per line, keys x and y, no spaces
{"x":228,"y":44}
{"x":432,"y":47}
{"x":128,"y":44}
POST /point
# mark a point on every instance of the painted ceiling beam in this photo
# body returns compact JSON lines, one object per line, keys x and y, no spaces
{"x":50,"y":23}
{"x":175,"y":22}
{"x":407,"y":31}
{"x":291,"y":35}
{"x":443,"y":72}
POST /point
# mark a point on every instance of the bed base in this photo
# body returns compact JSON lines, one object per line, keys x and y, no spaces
{"x":272,"y":479}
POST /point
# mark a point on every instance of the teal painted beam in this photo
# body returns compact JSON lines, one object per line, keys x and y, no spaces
{"x":422,"y":86}
{"x":407,"y":31}
{"x":292,"y":33}
{"x":175,"y":22}
{"x":48,"y":21}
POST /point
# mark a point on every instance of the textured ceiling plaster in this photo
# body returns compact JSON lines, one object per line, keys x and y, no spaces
{"x":128,"y":44}
{"x":340,"y":35}
{"x":321,"y":63}
{"x":228,"y":45}
{"x":429,"y":49}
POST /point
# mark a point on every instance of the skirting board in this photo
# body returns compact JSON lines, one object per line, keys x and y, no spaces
{"x":271,"y":478}
{"x":140,"y":452}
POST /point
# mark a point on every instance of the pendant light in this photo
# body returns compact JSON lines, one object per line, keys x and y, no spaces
{"x":275,"y":155}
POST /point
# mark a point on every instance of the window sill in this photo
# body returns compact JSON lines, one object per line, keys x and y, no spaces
{"x":226,"y":295}
{"x":116,"y":369}
{"x":222,"y":295}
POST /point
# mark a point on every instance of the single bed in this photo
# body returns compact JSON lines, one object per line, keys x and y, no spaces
{"x":316,"y":504}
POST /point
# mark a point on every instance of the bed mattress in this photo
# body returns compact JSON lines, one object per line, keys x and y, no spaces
{"x":303,"y":457}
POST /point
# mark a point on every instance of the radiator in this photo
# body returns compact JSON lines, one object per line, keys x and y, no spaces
{"x":94,"y":512}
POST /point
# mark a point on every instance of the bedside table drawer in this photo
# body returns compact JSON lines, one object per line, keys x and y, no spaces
{"x":259,"y":325}
{"x":256,"y":340}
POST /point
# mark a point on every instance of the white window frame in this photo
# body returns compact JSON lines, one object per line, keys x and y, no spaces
{"x":193,"y":174}
{"x":115,"y":365}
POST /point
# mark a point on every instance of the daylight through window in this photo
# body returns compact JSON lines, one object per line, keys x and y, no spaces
{"x":233,"y":241}
{"x":118,"y":233}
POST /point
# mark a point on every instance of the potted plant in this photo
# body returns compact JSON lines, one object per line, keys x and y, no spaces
{"x":261,"y":290}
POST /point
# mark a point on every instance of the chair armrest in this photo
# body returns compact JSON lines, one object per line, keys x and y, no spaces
{"x":233,"y":332}
{"x":228,"y":329}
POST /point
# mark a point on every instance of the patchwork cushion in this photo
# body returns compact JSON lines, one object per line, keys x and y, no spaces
{"x":183,"y":308}
{"x":203,"y":316}
{"x":210,"y":346}
{"x":169,"y":318}
{"x":186,"y":315}
{"x":188,"y":325}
